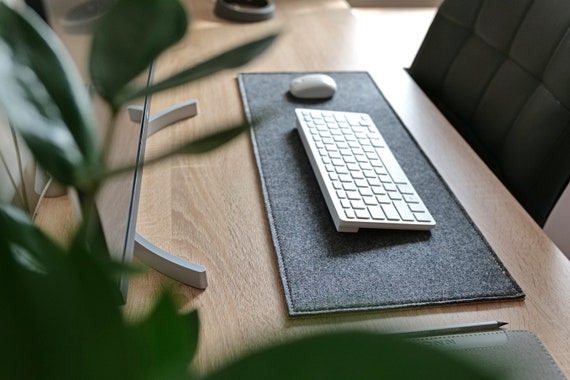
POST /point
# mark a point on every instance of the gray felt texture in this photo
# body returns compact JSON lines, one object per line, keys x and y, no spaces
{"x":324,"y":271}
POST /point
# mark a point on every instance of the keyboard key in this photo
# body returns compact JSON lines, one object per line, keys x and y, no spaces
{"x":406,"y":189}
{"x":390,"y":211}
{"x":353,"y":195}
{"x":396,"y":171}
{"x":404,"y":211}
{"x":369,"y":201}
{"x":358,"y":205}
{"x":376,"y":212}
{"x":422,"y":216}
{"x":416,"y":207}
{"x":349,"y":186}
{"x":395,"y":196}
{"x":411,"y":198}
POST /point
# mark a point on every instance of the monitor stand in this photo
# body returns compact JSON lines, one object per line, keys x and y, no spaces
{"x":172,"y":266}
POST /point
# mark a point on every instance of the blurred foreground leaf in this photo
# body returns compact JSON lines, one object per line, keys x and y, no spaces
{"x":64,"y":318}
{"x":127,"y":40}
{"x":44,"y":98}
{"x":201,"y":145}
{"x":230,"y":59}
{"x":65,"y":321}
{"x":166,"y":341}
{"x":212,"y":141}
{"x":348,"y":355}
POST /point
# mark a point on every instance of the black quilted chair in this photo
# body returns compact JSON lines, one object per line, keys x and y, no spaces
{"x":500,"y":72}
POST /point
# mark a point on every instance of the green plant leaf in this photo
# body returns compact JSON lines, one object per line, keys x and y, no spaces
{"x":212,"y":141}
{"x":20,"y":238}
{"x":65,"y":316}
{"x":203,"y":144}
{"x":348,"y":355}
{"x":128,"y":38}
{"x":199,"y":146}
{"x":166,"y":341}
{"x":44,"y":98}
{"x":233,"y":58}
{"x":18,"y":331}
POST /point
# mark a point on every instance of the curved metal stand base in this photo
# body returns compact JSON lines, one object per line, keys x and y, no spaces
{"x":172,"y":266}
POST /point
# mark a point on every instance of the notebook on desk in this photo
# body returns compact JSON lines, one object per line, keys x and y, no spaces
{"x":512,"y":354}
{"x":324,"y":271}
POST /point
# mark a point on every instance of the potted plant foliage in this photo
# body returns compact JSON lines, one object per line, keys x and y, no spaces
{"x":59,"y":313}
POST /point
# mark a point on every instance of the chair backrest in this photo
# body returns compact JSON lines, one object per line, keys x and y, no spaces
{"x":500,"y":71}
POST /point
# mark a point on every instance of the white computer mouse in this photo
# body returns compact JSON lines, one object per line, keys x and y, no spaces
{"x":313,"y":86}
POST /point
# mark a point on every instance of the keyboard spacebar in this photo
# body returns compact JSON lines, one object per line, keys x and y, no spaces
{"x":393,"y":167}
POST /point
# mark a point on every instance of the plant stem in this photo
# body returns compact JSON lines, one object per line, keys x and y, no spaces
{"x":23,"y":199}
{"x":109,"y":133}
{"x":21,"y":169}
{"x":11,"y":178}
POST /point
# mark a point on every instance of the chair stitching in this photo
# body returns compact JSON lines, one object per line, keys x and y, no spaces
{"x":552,"y":54}
{"x":472,"y":29}
{"x":506,"y":57}
{"x":523,"y":17}
{"x":558,"y":45}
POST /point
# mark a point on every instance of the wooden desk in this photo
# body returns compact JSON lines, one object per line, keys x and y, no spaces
{"x":209,"y":209}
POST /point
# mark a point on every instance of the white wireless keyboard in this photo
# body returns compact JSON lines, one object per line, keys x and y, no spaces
{"x":361,"y":180}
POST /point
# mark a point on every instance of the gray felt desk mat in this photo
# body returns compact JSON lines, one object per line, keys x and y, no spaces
{"x":324,"y":271}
